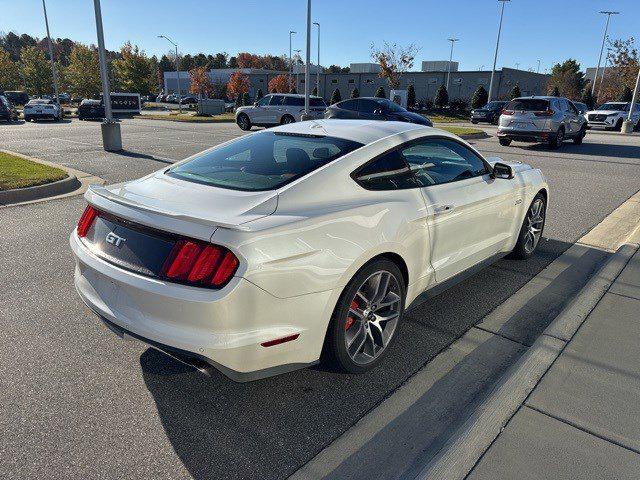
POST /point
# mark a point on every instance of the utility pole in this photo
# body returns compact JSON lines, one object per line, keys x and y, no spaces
{"x":291,"y":32}
{"x":318,"y":65}
{"x":627,"y":125}
{"x":538,"y":70}
{"x":53,"y":63}
{"x":604,"y":37}
{"x":177,"y":71}
{"x":453,"y":41}
{"x":307,"y":71}
{"x":495,"y":57}
{"x":111,"y":137}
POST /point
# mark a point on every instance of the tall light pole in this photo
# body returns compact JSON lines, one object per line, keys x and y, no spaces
{"x":538,"y":70}
{"x":177,"y":71}
{"x":606,"y":61}
{"x":495,"y":57}
{"x":297,"y":69}
{"x":111,"y":138}
{"x":604,"y":37}
{"x":53,"y":63}
{"x":307,"y":70}
{"x":318,"y":65}
{"x":453,"y":41}
{"x":291,"y":32}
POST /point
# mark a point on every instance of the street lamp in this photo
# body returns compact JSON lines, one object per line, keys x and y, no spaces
{"x":604,"y":37}
{"x":495,"y":57}
{"x":111,"y":137}
{"x":53,"y":63}
{"x":452,"y":40}
{"x":291,"y":32}
{"x":307,"y":70}
{"x":318,"y":65}
{"x":297,"y":69}
{"x":538,"y":70}
{"x":177,"y":71}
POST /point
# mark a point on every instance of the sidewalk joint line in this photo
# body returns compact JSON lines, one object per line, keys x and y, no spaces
{"x":502,"y":335}
{"x":622,"y":295}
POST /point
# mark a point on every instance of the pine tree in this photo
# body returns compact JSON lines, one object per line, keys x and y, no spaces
{"x":411,"y":96}
{"x":239,"y":100}
{"x":442,"y":97}
{"x":259,"y":94}
{"x":355,"y":93}
{"x":335,"y":97}
{"x":587,"y":98}
{"x":480,"y":98}
{"x":246,"y":99}
{"x":515,"y":92}
{"x":314,"y":92}
{"x":380,"y":93}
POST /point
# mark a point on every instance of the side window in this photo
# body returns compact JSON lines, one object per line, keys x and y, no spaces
{"x":294,"y":101}
{"x":349,"y":105}
{"x":436,"y":161}
{"x":264,"y":101}
{"x":388,"y":172}
{"x":368,"y":106}
{"x":277,"y":100}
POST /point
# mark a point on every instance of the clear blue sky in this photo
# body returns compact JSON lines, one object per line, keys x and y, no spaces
{"x":550,"y":30}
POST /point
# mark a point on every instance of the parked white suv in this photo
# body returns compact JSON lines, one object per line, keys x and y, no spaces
{"x":611,"y":115}
{"x":42,"y":108}
{"x":278,"y":109}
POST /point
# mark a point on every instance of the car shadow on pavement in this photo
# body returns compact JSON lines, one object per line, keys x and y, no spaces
{"x":130,"y":154}
{"x":595,"y":149}
{"x":269,"y":428}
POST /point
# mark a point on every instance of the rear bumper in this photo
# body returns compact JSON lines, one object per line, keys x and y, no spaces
{"x":524,"y":136}
{"x":222,"y":328}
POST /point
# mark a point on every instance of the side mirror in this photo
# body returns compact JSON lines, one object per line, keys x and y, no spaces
{"x":500,"y":170}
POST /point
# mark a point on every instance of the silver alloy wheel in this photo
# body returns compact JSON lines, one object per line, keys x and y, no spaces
{"x":533,"y":225}
{"x":373,"y":317}
{"x":244,"y":121}
{"x":286,"y":120}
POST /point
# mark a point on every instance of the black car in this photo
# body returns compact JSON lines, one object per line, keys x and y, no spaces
{"x":16,"y":97}
{"x":490,"y":113}
{"x":373,"y":108}
{"x":90,"y":109}
{"x":7,"y":112}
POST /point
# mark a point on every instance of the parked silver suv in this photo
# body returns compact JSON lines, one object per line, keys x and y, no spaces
{"x":550,"y":120}
{"x":278,"y":109}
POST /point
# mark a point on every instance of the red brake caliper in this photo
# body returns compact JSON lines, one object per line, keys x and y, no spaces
{"x":350,"y":320}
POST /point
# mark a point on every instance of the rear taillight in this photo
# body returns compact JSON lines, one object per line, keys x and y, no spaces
{"x":507,"y":112}
{"x":200,"y":264}
{"x":86,"y":220}
{"x":545,"y":113}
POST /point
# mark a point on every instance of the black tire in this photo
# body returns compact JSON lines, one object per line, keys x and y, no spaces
{"x":505,"y":142}
{"x":243,"y":122}
{"x":475,"y":122}
{"x":520,"y":251}
{"x":335,"y":351}
{"x":556,"y":141}
{"x":577,"y":140}
{"x":496,"y":120}
{"x":618,"y":127}
{"x":286,"y":119}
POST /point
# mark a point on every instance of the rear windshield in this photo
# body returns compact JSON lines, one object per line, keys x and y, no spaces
{"x":528,"y":105}
{"x":494,"y":105}
{"x":262,"y":161}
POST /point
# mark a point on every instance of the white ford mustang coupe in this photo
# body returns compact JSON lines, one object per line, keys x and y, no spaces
{"x":301,"y":242}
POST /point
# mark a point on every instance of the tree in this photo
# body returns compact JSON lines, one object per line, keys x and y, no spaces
{"x":9,"y":72}
{"x":480,"y":97}
{"x":37,"y":71}
{"x":200,"y":82}
{"x":515,"y":92}
{"x":232,"y":63}
{"x":623,"y":71}
{"x":555,"y":92}
{"x":259,"y":94}
{"x":567,"y":78}
{"x":239,"y":101}
{"x":411,"y":96}
{"x":394,"y":60}
{"x":246,"y":99}
{"x":338,"y":69}
{"x":587,"y":97}
{"x":442,"y":97}
{"x":167,"y":64}
{"x":219,"y":60}
{"x":83,"y":72}
{"x":237,"y":85}
{"x":335,"y":97}
{"x":314,"y":91}
{"x":186,"y":63}
{"x":355,"y":93}
{"x":626,"y":95}
{"x":132,"y":71}
{"x":380,"y":93}
{"x":280,"y":84}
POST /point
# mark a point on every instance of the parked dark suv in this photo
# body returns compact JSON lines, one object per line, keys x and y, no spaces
{"x":7,"y":112}
{"x":490,"y":113}
{"x":90,"y":109}
{"x":374,"y":108}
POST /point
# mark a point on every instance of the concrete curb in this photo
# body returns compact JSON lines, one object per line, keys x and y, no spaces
{"x":474,"y":136}
{"x":466,"y":446}
{"x":75,"y":184}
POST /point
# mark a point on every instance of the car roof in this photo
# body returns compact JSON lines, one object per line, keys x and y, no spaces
{"x":361,"y":131}
{"x":292,"y":95}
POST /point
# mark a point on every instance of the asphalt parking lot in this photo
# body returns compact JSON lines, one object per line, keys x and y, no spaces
{"x":81,"y":403}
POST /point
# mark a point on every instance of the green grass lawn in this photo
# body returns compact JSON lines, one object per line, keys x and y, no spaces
{"x":189,"y":117}
{"x":461,"y":130}
{"x":448,"y":118}
{"x":17,"y":172}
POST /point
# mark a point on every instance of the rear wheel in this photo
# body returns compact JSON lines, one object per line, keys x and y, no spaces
{"x":287,"y":119}
{"x":505,"y":142}
{"x":243,"y":121}
{"x":475,"y":122}
{"x":531,"y":230}
{"x":556,"y":141}
{"x":577,"y":140}
{"x":366,"y":319}
{"x":618,"y":126}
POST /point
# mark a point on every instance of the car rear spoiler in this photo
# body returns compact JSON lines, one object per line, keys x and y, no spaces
{"x":96,"y":192}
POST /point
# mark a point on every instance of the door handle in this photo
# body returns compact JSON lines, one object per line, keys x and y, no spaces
{"x":443,"y":209}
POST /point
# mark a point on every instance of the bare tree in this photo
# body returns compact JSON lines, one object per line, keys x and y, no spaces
{"x":394,"y":60}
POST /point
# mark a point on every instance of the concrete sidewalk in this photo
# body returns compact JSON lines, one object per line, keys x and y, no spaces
{"x":582,"y":420}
